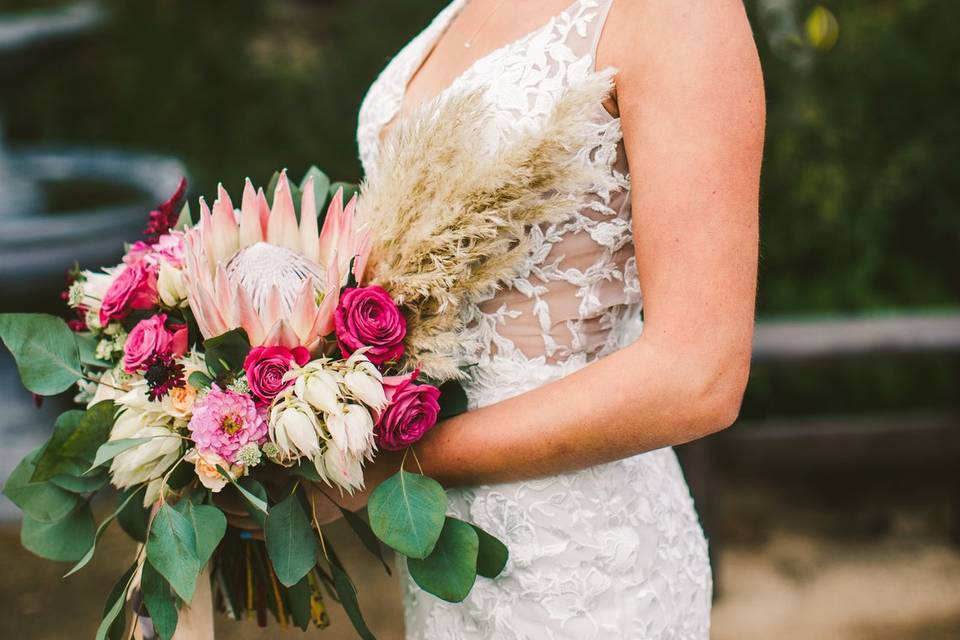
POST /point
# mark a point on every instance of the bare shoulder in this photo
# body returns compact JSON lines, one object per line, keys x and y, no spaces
{"x":699,"y":49}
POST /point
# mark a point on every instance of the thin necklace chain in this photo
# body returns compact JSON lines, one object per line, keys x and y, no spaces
{"x":469,"y":41}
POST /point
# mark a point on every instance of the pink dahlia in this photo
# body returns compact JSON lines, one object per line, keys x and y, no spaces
{"x":224,"y":421}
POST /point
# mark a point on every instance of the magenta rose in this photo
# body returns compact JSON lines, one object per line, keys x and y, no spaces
{"x":411,"y":412}
{"x":134,"y":288}
{"x":368,"y":317}
{"x":153,"y":337}
{"x":266,"y":366}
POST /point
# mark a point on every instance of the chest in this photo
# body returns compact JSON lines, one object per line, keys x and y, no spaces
{"x":521,"y":80}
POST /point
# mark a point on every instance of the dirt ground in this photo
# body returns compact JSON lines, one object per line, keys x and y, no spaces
{"x":792,"y":566}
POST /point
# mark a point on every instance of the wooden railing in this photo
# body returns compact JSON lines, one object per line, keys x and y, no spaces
{"x":847,"y":441}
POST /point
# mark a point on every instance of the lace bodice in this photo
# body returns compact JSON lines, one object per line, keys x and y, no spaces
{"x":579,"y":284}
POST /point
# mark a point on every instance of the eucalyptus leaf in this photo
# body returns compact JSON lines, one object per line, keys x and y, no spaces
{"x":134,"y":518}
{"x":226,"y":352}
{"x":109,"y":450}
{"x":209,"y":525}
{"x":453,"y":399}
{"x":291,"y":541}
{"x":298,"y":599}
{"x":88,"y":556}
{"x":114,"y":619}
{"x":366,"y":535}
{"x":83,"y":483}
{"x":160,"y":602}
{"x":492,"y":555}
{"x":172,"y":550}
{"x":87,"y":344}
{"x":407,"y":512}
{"x":43,"y":501}
{"x":45,"y":351}
{"x":65,"y":540}
{"x":347,"y":594}
{"x":199,"y":380}
{"x":450,"y":571}
{"x":248,"y":489}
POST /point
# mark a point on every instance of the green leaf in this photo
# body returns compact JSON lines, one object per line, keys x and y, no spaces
{"x":291,"y":541}
{"x":347,"y":594}
{"x":407,"y":511}
{"x":366,"y":535}
{"x":114,"y":619}
{"x":134,"y":518}
{"x":81,"y":484}
{"x":65,"y":540}
{"x":43,"y":501}
{"x":209,"y":524}
{"x":492,"y":555}
{"x":298,"y":598}
{"x":450,"y":571}
{"x":87,"y":344}
{"x":45,"y":350}
{"x":76,"y":437}
{"x":199,"y":380}
{"x":160,"y":602}
{"x":249,"y":489}
{"x":349,"y":190}
{"x":172,"y":550}
{"x":453,"y":399}
{"x":109,"y":450}
{"x":88,"y":556}
{"x":184,"y":220}
{"x":305,"y":470}
{"x":226,"y":352}
{"x":272,"y":187}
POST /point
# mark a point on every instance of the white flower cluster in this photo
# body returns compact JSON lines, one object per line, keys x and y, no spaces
{"x":325,"y":417}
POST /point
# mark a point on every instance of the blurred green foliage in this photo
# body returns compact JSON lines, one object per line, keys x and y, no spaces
{"x":859,"y":205}
{"x":863,"y":145}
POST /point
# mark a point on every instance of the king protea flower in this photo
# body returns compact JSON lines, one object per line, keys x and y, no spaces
{"x":261,"y":271}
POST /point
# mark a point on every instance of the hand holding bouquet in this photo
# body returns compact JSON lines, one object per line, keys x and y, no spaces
{"x":243,"y":355}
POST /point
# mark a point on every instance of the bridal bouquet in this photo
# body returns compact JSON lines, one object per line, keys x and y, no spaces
{"x":243,"y":359}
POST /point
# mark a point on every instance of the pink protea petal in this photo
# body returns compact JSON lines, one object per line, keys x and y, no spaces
{"x":330,"y":234}
{"x":263,"y":208}
{"x":225,"y":238}
{"x":309,"y":243}
{"x":224,"y":197}
{"x":304,"y":311}
{"x":224,"y":297}
{"x":272,"y":312}
{"x":323,"y":324}
{"x":249,"y":319}
{"x":282,"y":335}
{"x":364,"y":245}
{"x":250,"y":230}
{"x":282,"y":227}
{"x":206,"y":233}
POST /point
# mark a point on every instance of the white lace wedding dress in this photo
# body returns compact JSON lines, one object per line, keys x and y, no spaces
{"x":614,"y":551}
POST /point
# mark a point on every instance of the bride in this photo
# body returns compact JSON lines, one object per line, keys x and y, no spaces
{"x":565,"y":453}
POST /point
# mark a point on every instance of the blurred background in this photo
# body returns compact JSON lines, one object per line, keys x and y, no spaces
{"x":833,"y":506}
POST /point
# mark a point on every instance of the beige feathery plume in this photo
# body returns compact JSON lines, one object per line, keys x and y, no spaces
{"x":451,"y":222}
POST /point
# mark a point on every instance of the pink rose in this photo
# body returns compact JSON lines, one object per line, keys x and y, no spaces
{"x":134,"y":288}
{"x":368,"y":317}
{"x":153,"y":337}
{"x":266,"y":366}
{"x":412,"y":411}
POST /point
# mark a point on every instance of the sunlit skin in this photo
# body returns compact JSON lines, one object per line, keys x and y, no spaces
{"x":690,"y":97}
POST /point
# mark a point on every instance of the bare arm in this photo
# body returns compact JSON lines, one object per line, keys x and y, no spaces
{"x":690,"y":96}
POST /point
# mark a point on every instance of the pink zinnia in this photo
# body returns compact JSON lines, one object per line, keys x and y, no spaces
{"x":224,"y":421}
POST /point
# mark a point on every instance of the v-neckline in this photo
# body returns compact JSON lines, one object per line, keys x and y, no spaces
{"x":426,"y":51}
